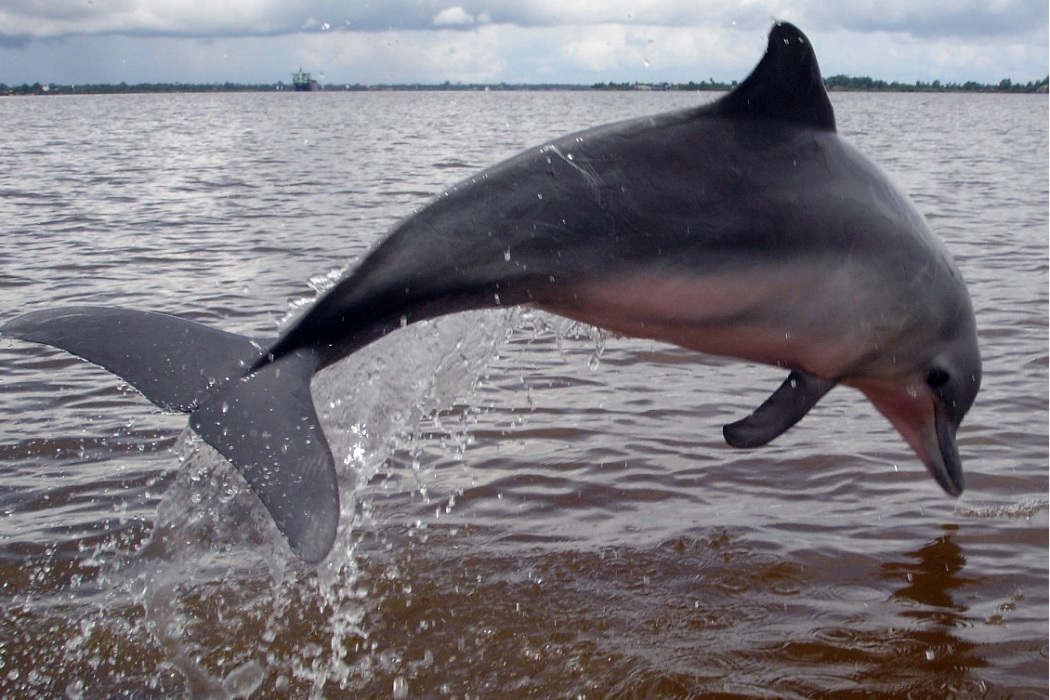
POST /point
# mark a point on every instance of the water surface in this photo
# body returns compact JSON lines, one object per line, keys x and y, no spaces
{"x":532,"y":508}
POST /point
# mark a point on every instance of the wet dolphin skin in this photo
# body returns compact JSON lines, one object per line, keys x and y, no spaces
{"x":745,"y":228}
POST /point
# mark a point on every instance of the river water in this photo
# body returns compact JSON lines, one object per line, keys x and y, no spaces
{"x":532,"y":509}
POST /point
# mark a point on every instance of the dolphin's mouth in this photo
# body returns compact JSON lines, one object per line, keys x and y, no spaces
{"x":924,"y":421}
{"x":948,"y":472}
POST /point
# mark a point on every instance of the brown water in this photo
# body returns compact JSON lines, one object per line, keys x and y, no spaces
{"x":532,"y":509}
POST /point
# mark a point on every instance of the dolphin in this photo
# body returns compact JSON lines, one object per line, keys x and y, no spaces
{"x":744,"y":228}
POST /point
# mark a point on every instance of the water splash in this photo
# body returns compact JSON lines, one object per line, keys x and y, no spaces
{"x":1026,"y":508}
{"x":228,"y":608}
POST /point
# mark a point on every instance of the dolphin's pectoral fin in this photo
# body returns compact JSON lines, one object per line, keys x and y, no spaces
{"x":266,"y":426}
{"x":788,"y":404}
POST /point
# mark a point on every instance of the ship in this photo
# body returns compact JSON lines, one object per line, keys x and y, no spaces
{"x":301,"y":81}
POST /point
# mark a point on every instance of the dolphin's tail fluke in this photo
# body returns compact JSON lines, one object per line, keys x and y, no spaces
{"x":266,"y":425}
{"x":174,"y":362}
{"x":264,"y":422}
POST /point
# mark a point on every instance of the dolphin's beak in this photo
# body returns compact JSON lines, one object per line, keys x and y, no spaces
{"x":948,"y":473}
{"x":923,"y":420}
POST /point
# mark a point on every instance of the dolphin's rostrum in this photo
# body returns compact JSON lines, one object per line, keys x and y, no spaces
{"x":745,"y":228}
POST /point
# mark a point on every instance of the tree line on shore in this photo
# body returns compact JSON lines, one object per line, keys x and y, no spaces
{"x":834,"y":83}
{"x":854,"y":84}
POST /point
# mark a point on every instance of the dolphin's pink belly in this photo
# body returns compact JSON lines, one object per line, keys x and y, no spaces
{"x":778,"y":317}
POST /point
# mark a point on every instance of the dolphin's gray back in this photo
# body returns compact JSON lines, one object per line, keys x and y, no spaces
{"x":689,"y":192}
{"x":744,"y":228}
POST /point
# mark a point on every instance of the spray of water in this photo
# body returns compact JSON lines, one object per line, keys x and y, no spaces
{"x":231,"y":611}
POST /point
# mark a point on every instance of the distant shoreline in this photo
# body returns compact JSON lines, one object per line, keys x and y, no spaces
{"x":835,"y":83}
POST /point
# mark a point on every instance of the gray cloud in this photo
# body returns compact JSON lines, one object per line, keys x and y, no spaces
{"x":952,"y":18}
{"x":192,"y":18}
{"x":583,"y":41}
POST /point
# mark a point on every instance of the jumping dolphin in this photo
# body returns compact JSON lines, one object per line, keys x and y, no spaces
{"x":745,"y":228}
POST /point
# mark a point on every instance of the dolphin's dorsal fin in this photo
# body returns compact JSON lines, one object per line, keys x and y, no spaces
{"x":785,"y":85}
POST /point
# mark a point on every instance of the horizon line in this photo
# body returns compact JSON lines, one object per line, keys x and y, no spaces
{"x":834,"y":83}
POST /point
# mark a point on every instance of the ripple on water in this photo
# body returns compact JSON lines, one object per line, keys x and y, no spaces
{"x":531,"y":509}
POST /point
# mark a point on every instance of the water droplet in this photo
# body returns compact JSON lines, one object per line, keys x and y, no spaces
{"x":400,"y":688}
{"x":539,"y":195}
{"x":506,"y":255}
{"x":645,"y":62}
{"x":325,"y":26}
{"x":75,"y":690}
{"x":244,"y":680}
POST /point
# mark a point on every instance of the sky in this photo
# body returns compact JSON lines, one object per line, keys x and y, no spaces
{"x":513,"y":41}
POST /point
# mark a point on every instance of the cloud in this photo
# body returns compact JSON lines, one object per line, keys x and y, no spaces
{"x":958,"y":18}
{"x":584,"y":41}
{"x":454,"y":17}
{"x":428,"y":57}
{"x":655,"y":52}
{"x":55,"y":18}
{"x":58,"y":18}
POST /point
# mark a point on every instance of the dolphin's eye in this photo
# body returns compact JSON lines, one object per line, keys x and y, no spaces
{"x":937,"y":378}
